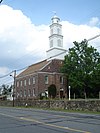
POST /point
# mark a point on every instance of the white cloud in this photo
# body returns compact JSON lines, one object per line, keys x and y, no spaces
{"x":3,"y":70}
{"x":22,"y":42}
{"x":78,"y":33}
{"x":95,"y":21}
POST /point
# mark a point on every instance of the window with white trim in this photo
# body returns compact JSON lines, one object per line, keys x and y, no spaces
{"x":29,"y":81}
{"x":46,"y":79}
{"x":25,"y":82}
{"x":61,"y":80}
{"x":29,"y":92}
{"x":21,"y":83}
{"x":17,"y":83}
{"x":33,"y":92}
{"x":24,"y":93}
{"x":33,"y":80}
{"x":21,"y":93}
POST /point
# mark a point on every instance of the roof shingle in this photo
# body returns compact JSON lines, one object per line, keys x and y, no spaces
{"x":33,"y":68}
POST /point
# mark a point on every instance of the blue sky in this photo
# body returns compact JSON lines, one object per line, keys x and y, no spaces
{"x":40,"y":11}
{"x":24,"y":29}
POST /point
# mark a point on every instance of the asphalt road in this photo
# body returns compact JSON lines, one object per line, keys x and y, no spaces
{"x":20,"y":120}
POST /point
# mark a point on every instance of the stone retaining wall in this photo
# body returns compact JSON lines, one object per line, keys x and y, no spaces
{"x":81,"y":105}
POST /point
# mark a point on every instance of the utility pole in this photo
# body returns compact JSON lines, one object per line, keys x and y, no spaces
{"x":14,"y":87}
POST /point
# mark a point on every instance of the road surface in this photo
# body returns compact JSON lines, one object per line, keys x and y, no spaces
{"x":25,"y":120}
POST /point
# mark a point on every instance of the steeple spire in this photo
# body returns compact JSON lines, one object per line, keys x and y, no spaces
{"x":55,"y":38}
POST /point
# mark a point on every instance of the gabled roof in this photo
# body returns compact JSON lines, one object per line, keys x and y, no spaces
{"x":33,"y":68}
{"x":43,"y":66}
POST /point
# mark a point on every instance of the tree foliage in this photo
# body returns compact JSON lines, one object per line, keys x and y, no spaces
{"x":82,"y":67}
{"x":6,"y":89}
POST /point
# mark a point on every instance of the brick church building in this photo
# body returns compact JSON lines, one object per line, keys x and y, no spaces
{"x":35,"y":80}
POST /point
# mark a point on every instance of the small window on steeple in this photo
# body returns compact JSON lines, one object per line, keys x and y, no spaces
{"x":51,"y":43}
{"x":58,"y":31}
{"x":51,"y":31}
{"x":59,"y":42}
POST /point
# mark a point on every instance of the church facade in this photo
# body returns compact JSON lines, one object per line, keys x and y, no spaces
{"x":35,"y":80}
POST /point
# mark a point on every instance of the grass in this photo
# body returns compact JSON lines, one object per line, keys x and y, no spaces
{"x":64,"y":110}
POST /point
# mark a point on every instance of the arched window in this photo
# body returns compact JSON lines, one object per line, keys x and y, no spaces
{"x":59,"y":42}
{"x":61,"y":79}
{"x":25,"y":82}
{"x":58,"y":31}
{"x":17,"y":83}
{"x":34,"y":92}
{"x":21,"y":83}
{"x":29,"y":81}
{"x":51,"y":31}
{"x":46,"y":79}
{"x":25,"y":93}
{"x":29,"y":92}
{"x":51,"y":43}
{"x":33,"y":80}
{"x":21,"y":93}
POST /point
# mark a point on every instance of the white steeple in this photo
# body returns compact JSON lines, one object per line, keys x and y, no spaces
{"x":55,"y":40}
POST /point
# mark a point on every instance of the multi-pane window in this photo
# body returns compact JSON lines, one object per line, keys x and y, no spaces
{"x":24,"y":93}
{"x":33,"y":80}
{"x":21,"y":93}
{"x":33,"y":92}
{"x":25,"y":82}
{"x":46,"y":79}
{"x":29,"y":92}
{"x":17,"y":94}
{"x":17,"y":83}
{"x":61,"y":79}
{"x":21,"y":83}
{"x":29,"y":81}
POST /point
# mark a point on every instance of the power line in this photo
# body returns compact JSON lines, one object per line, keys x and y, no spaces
{"x":29,"y":65}
{"x":6,"y":75}
{"x":9,"y":83}
{"x":57,"y":55}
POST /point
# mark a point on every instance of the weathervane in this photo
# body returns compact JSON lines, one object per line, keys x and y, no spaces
{"x":54,"y":13}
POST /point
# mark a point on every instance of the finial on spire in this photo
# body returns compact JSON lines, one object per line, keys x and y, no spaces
{"x":55,"y":18}
{"x":54,"y":13}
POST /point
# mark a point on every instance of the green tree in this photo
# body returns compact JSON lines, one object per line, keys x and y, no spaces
{"x":82,"y":67}
{"x":6,"y":89}
{"x":52,"y":91}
